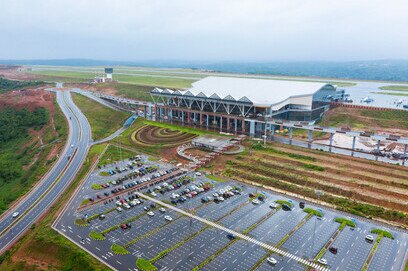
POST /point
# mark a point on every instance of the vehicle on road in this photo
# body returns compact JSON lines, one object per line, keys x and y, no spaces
{"x":272,"y":260}
{"x":15,"y":214}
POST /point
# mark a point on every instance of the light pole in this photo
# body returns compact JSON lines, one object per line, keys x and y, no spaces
{"x":319,"y":193}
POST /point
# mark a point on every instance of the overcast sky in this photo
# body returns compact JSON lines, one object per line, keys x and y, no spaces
{"x":242,"y":30}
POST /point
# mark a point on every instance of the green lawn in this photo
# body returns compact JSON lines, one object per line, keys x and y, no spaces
{"x":43,"y":244}
{"x":114,"y":153}
{"x":136,"y":92}
{"x":144,"y":80}
{"x":391,"y":93}
{"x":104,"y":120}
{"x":395,"y":88}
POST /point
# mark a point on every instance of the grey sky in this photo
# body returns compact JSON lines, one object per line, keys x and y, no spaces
{"x":264,"y":30}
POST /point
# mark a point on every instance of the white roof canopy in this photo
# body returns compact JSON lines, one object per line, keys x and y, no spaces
{"x":260,"y":92}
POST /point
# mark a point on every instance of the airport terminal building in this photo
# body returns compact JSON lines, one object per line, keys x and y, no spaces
{"x":243,"y":105}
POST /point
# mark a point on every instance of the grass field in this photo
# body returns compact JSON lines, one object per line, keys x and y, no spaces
{"x":103,"y":120}
{"x":42,"y":248}
{"x":364,"y":119}
{"x":358,"y":186}
{"x":114,"y":154}
{"x":78,"y":76}
{"x":395,"y":88}
{"x":392,"y":93}
{"x":136,"y":92}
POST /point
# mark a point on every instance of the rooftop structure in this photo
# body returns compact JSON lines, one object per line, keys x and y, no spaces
{"x":231,"y":102}
{"x":260,"y":92}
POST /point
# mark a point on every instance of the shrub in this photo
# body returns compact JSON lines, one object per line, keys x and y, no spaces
{"x":81,"y":222}
{"x":282,"y":202}
{"x":118,"y":249}
{"x":96,"y":236}
{"x":383,"y":233}
{"x":344,"y":222}
{"x":313,"y":167}
{"x":145,"y":265}
{"x":313,"y":212}
{"x":96,"y":186}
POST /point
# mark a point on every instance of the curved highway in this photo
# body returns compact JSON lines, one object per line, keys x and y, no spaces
{"x":52,"y":185}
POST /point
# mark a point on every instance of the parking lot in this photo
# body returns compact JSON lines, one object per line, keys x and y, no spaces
{"x":108,"y":210}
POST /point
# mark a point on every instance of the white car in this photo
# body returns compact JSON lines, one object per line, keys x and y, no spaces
{"x":369,"y":238}
{"x":150,"y":213}
{"x":221,"y":199}
{"x":168,"y":218}
{"x":119,"y":209}
{"x":255,"y":201}
{"x":198,"y":174}
{"x":322,"y":261}
{"x":162,"y":210}
{"x":15,"y":214}
{"x":272,"y":260}
{"x":273,"y":205}
{"x":153,"y":194}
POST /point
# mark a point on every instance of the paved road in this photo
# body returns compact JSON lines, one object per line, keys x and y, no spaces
{"x":37,"y":202}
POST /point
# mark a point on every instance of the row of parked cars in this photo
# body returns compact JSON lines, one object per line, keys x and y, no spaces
{"x":189,"y":192}
{"x":142,"y":180}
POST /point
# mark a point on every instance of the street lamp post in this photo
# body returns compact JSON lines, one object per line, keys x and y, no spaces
{"x":319,"y":193}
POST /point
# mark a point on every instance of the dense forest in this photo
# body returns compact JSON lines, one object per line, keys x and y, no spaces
{"x":14,"y":155}
{"x":7,"y":85}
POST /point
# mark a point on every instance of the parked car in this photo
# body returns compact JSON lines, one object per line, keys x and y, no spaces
{"x":286,"y":207}
{"x":162,"y":210}
{"x":369,"y":238}
{"x":272,"y":260}
{"x":150,"y":213}
{"x":333,"y":250}
{"x":322,"y":261}
{"x":255,"y":201}
{"x":230,"y":236}
{"x":168,"y":218}
{"x":274,"y":205}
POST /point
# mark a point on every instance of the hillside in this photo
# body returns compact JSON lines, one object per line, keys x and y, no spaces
{"x":32,"y":132}
{"x":390,"y":121}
